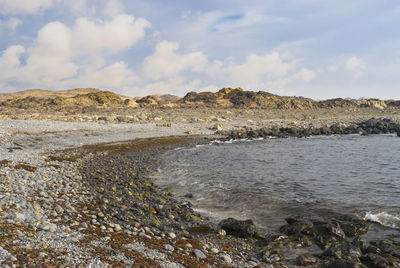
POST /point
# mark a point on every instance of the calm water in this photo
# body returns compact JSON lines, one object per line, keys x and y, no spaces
{"x":267,"y":180}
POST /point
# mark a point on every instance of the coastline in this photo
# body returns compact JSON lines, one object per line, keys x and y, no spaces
{"x":92,"y":231}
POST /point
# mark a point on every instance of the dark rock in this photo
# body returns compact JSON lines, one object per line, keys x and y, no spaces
{"x":388,"y":246}
{"x":296,"y":227}
{"x":189,"y":195}
{"x":238,"y":228}
{"x":384,"y":261}
{"x":345,"y":264}
{"x":360,"y":243}
{"x":352,"y":225}
{"x":343,"y":251}
{"x":328,"y":234}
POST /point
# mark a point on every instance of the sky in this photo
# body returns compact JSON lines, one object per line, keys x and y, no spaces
{"x":311,"y":48}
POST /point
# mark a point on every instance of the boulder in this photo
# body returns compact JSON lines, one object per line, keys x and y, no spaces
{"x":244,"y":229}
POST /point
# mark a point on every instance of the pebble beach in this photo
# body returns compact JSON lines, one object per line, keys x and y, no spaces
{"x":77,"y":194}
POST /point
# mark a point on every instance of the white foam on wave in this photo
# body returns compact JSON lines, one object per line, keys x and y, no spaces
{"x":384,"y":218}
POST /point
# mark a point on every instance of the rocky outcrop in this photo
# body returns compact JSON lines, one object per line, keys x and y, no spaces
{"x":224,"y":98}
{"x":244,"y":229}
{"x":371,"y":126}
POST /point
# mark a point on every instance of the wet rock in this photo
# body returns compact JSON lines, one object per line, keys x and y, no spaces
{"x":352,"y":225}
{"x":388,"y":246}
{"x":244,"y":229}
{"x":343,"y":251}
{"x":345,"y":264}
{"x":328,"y":234}
{"x":306,"y":259}
{"x":296,"y":226}
{"x":225,"y":258}
{"x":360,"y":243}
{"x":384,"y":261}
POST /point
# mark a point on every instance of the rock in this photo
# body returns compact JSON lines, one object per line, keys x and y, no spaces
{"x":117,"y":228}
{"x":306,"y":259}
{"x":343,"y":251}
{"x":169,"y":247}
{"x":84,"y":225}
{"x":217,"y":127}
{"x":244,"y":229}
{"x":59,"y":209}
{"x":352,"y":225}
{"x":192,"y":132}
{"x":296,"y":226}
{"x":19,"y":217}
{"x":199,"y":254}
{"x":11,"y":258}
{"x":50,"y":227}
{"x":384,"y":261}
{"x":360,"y":243}
{"x":214,"y":250}
{"x":221,"y":233}
{"x":388,"y":246}
{"x":225,"y":258}
{"x":345,"y":264}
{"x":172,"y":235}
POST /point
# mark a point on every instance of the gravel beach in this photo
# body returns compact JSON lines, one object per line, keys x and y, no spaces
{"x":76,"y":194}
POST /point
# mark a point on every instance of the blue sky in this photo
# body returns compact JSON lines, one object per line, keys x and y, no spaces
{"x":318,"y":49}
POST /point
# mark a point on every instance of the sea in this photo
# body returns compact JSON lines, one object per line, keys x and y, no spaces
{"x":270,"y":179}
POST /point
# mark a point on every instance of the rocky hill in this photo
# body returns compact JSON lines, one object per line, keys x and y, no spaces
{"x":239,"y":98}
{"x":47,"y":94}
{"x":224,"y":98}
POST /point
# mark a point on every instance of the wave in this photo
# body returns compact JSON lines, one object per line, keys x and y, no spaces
{"x":384,"y":218}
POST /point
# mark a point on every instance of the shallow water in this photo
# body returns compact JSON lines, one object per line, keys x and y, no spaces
{"x":268,"y":180}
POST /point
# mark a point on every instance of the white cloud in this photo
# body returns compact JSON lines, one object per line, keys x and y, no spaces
{"x":165,"y":62}
{"x":11,"y":24}
{"x":356,"y":66}
{"x":113,"y":8}
{"x":111,"y":36}
{"x":23,"y":6}
{"x":306,"y":75}
{"x":257,"y":67}
{"x":10,"y":62}
{"x":63,"y":56}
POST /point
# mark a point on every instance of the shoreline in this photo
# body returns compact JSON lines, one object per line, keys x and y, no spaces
{"x":96,"y":232}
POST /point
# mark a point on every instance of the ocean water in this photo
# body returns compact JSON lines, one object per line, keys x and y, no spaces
{"x":268,"y":180}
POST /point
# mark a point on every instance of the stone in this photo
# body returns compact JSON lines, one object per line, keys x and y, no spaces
{"x":345,"y":264}
{"x":59,"y":209}
{"x":217,"y":127}
{"x":169,"y":247}
{"x":199,"y":254}
{"x":214,"y":250}
{"x":172,"y":235}
{"x":244,"y":229}
{"x":306,"y":259}
{"x":384,"y":261}
{"x":225,"y":258}
{"x":343,"y":251}
{"x":117,"y":228}
{"x":19,"y":217}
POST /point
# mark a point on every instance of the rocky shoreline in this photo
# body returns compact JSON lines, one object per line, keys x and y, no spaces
{"x":96,"y":206}
{"x":370,"y":126}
